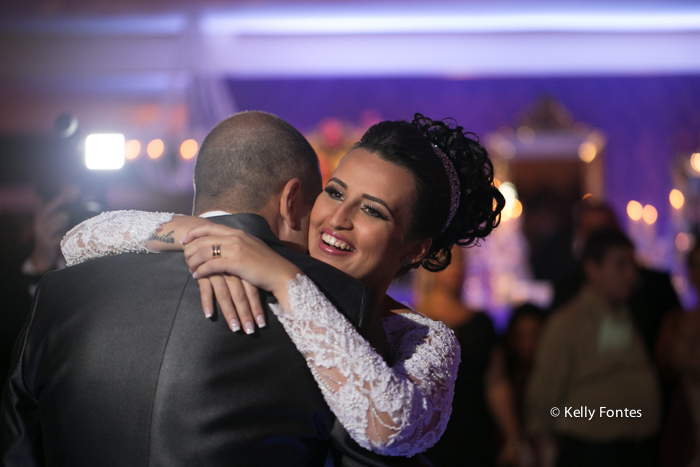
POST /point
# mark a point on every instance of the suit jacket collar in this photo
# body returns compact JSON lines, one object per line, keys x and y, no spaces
{"x":253,"y":224}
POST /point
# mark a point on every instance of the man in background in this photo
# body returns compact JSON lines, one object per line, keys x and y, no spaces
{"x":592,"y":359}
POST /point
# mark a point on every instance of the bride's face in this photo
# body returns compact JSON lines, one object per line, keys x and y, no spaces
{"x":358,"y":221}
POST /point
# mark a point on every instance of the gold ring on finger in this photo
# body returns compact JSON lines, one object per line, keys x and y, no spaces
{"x":216,"y":251}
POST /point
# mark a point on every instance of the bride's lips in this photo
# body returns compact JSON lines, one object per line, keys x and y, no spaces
{"x":342,"y":246}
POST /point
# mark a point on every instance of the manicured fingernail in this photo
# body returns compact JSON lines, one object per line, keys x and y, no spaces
{"x":260,"y":319}
{"x":248,"y":327}
{"x":234,"y":325}
{"x":182,"y":240}
{"x":208,"y":313}
{"x":194,"y":274}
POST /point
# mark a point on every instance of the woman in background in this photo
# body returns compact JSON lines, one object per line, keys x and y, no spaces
{"x":482,"y":410}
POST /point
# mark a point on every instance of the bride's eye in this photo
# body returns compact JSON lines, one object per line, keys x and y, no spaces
{"x":369,"y":209}
{"x":333,"y":193}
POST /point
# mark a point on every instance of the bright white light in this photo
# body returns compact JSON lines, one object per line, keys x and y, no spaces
{"x":104,"y":151}
{"x":509,"y":192}
{"x":377,"y":20}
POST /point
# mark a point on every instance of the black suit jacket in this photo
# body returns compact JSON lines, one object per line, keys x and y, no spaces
{"x":116,"y":366}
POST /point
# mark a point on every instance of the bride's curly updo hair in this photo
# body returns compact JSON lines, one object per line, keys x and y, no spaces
{"x":413,"y":147}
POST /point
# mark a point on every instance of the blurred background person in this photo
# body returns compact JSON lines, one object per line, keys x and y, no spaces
{"x":51,"y":222}
{"x":651,"y":300}
{"x":678,"y":356}
{"x":54,"y":213}
{"x":591,"y":355}
{"x":521,"y":341}
{"x":483,"y":429}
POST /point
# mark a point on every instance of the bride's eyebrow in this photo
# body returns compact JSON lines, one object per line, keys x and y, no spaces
{"x":333,"y":179}
{"x":378,"y":200}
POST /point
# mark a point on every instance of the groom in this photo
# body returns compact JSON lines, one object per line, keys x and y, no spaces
{"x":117,"y":367}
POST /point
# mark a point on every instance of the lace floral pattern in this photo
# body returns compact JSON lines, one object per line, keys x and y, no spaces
{"x":398,"y":411}
{"x":111,"y":233}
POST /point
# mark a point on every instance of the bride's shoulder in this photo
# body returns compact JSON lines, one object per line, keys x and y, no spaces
{"x":401,"y":318}
{"x":414,"y":337}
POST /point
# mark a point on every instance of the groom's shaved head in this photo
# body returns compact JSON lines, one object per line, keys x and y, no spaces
{"x":247,"y":158}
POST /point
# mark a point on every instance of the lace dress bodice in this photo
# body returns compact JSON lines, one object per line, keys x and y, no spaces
{"x":400,"y":410}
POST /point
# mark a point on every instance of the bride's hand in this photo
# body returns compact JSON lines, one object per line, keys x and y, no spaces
{"x":242,"y":255}
{"x":238,"y":300}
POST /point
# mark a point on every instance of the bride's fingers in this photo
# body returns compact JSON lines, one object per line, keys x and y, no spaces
{"x":255,"y":305}
{"x":201,"y":250}
{"x":240,"y":302}
{"x":226,"y":266}
{"x":223,"y":298}
{"x":207,"y":230}
{"x":206,"y":292}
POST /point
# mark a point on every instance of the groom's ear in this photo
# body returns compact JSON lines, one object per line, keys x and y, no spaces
{"x":292,"y":204}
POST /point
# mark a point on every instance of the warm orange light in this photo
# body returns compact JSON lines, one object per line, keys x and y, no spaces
{"x":587,"y":151}
{"x":132,"y":149}
{"x":676,"y":198}
{"x":155,"y":148}
{"x":649,"y":214}
{"x":634,"y":210}
{"x":587,"y":195}
{"x":682,"y":242}
{"x":517,"y":209}
{"x":188,"y":149}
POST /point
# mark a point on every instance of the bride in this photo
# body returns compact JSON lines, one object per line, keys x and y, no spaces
{"x":400,"y":199}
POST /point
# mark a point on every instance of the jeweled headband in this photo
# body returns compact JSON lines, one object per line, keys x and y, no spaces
{"x":454,"y":184}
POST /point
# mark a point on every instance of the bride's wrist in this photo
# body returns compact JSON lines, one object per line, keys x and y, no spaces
{"x":281,"y":287}
{"x":168,"y":236}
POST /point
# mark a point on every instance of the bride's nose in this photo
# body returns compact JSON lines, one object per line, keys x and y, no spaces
{"x":341,"y":218}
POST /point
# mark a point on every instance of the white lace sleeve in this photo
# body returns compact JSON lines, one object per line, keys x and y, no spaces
{"x":397,"y":411}
{"x":111,"y":233}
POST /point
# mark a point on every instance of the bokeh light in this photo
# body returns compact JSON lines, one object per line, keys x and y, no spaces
{"x":695,"y":161}
{"x":676,"y":198}
{"x":506,"y":149}
{"x":132,"y":149}
{"x":587,"y":196}
{"x":680,"y":284}
{"x":526,"y":135}
{"x":155,"y":148}
{"x":104,"y":151}
{"x":517,"y":209}
{"x":188,"y":149}
{"x":682,"y":242}
{"x":587,"y":151}
{"x":634,"y":210}
{"x":649,"y":214}
{"x":513,"y":207}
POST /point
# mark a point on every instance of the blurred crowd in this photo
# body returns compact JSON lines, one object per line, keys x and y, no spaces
{"x":608,"y":376}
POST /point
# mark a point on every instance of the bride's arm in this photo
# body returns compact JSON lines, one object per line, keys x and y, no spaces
{"x":116,"y":232}
{"x":400,"y":410}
